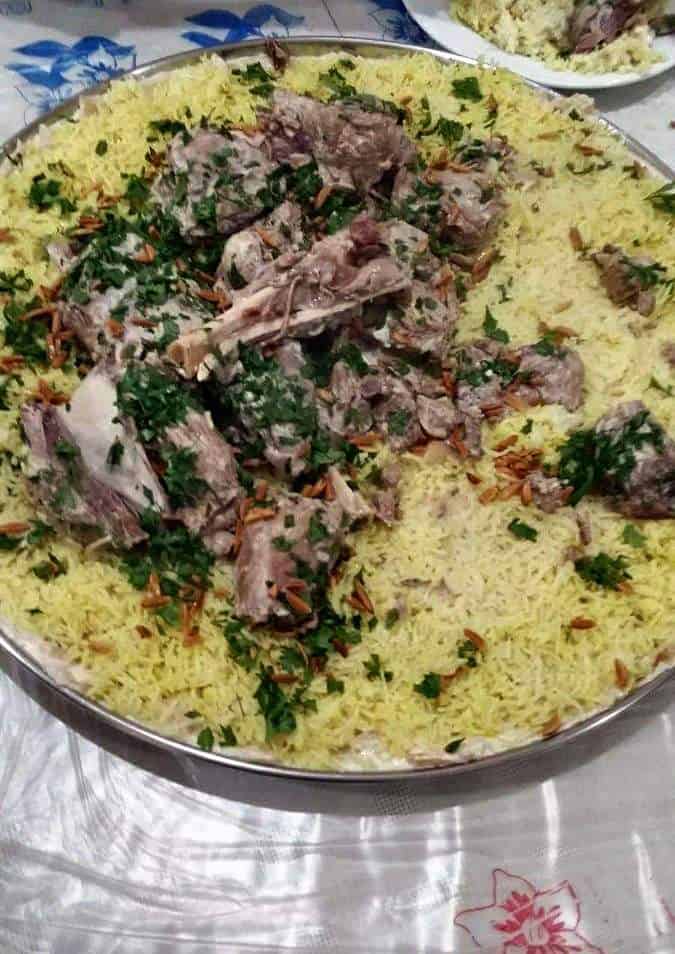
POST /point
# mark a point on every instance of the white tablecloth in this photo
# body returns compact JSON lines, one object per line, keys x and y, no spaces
{"x":98,"y":856}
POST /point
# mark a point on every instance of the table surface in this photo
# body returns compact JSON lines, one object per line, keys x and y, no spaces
{"x":99,"y":856}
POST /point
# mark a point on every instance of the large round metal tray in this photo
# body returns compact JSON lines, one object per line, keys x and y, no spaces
{"x":278,"y":786}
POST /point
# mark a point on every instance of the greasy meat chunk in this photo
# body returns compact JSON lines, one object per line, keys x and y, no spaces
{"x":214,"y":181}
{"x":628,"y":280}
{"x":298,"y":295}
{"x":111,"y":300}
{"x":638,"y":460}
{"x":554,"y":375}
{"x":464,"y":208}
{"x":212,"y":515}
{"x":490,"y":378}
{"x":86,"y":466}
{"x":282,"y":560}
{"x":548,"y":493}
{"x":247,"y":252}
{"x":595,"y":22}
{"x":353,"y":148}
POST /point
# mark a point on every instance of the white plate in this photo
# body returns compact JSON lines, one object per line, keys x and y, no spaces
{"x":434,"y":16}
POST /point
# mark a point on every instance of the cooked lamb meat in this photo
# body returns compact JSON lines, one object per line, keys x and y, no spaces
{"x":396,"y":416}
{"x":214,"y":181}
{"x":353,"y":148}
{"x":437,"y":416}
{"x":555,"y":375}
{"x":247,"y":252}
{"x":351,"y":501}
{"x":548,"y":493}
{"x":273,"y":413}
{"x":638,"y":461}
{"x":487,"y":374}
{"x":212,"y":515}
{"x":298,"y":295}
{"x":347,"y":411}
{"x":270,"y":573}
{"x":596,"y":22}
{"x":464,"y":208}
{"x":110,"y":300}
{"x":86,"y":466}
{"x":487,"y":155}
{"x":628,"y":280}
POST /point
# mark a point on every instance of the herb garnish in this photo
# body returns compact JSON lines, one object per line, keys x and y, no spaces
{"x":45,"y":194}
{"x":590,"y":456}
{"x":373,"y":667}
{"x":154,"y":400}
{"x":336,"y":82}
{"x":180,"y":477}
{"x":453,"y":746}
{"x":664,"y":198}
{"x":492,"y":330}
{"x":50,"y":568}
{"x":522,"y":531}
{"x":257,"y":77}
{"x":603,"y":570}
{"x":430,"y":686}
{"x":632,"y":536}
{"x":397,"y":422}
{"x":467,"y":88}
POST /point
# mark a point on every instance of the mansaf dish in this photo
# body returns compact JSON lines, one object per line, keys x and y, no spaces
{"x":587,"y":36}
{"x":337,"y":405}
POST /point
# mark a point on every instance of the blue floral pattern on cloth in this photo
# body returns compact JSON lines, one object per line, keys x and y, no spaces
{"x":396,"y":23}
{"x":264,"y":19}
{"x":62,"y":71}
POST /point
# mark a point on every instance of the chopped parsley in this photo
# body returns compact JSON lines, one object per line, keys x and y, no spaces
{"x":391,"y":618}
{"x":227,"y":736}
{"x":397,"y":422}
{"x":137,"y":193}
{"x":317,"y":529}
{"x":115,"y":454}
{"x":205,"y":739}
{"x":632,"y":536}
{"x":589,"y":457}
{"x":492,"y":330}
{"x":45,"y":194}
{"x":453,"y":746}
{"x":257,"y":77}
{"x":527,"y":426}
{"x":334,"y":685}
{"x":547,"y":347}
{"x":12,"y":282}
{"x":373,"y":667}
{"x":275,"y":706}
{"x":664,"y":198}
{"x":243,"y":649}
{"x":25,"y":338}
{"x":522,"y":531}
{"x":603,"y":570}
{"x":101,"y":147}
{"x":178,"y":557}
{"x":154,"y":400}
{"x":429,"y":686}
{"x":50,"y":568}
{"x":467,"y":88}
{"x":337,"y":83}
{"x":180,"y":477}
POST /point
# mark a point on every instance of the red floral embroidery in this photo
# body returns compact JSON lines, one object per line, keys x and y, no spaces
{"x":523,"y":920}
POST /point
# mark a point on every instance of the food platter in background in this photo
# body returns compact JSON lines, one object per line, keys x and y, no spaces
{"x":435,"y":18}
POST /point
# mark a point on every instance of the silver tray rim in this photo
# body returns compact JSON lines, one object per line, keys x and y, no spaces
{"x":137,"y":742}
